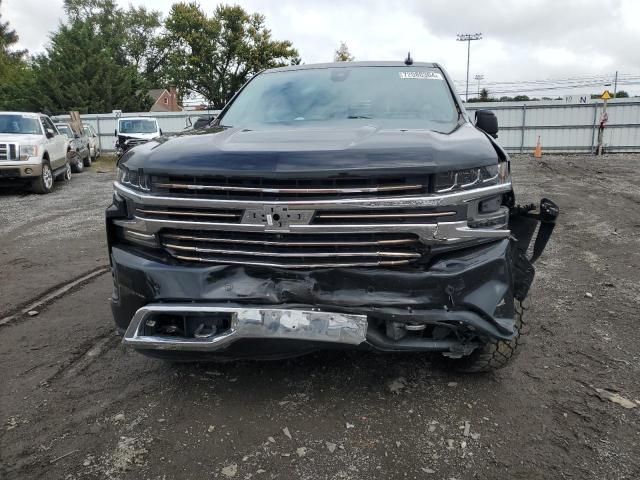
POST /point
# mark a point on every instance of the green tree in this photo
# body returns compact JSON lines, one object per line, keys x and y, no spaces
{"x":484,"y":95}
{"x":16,"y":75}
{"x":80,"y":71}
{"x":622,"y":94}
{"x":342,"y":54}
{"x":93,"y":62}
{"x":214,"y":56}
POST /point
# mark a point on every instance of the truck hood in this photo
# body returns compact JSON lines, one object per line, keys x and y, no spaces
{"x":22,"y":139}
{"x":291,"y":151}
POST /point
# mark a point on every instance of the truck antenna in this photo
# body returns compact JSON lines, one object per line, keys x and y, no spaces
{"x":408,"y":60}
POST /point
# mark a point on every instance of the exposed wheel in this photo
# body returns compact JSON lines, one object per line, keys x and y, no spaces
{"x":77,"y":164}
{"x":44,"y":183}
{"x":496,"y":354}
{"x":66,"y":176}
{"x":87,"y":160}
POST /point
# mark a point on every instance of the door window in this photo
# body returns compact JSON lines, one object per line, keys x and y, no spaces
{"x":48,"y":124}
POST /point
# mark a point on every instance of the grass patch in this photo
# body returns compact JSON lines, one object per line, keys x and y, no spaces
{"x":105,"y":163}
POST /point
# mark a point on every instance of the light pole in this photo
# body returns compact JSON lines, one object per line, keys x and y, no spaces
{"x":468,"y":37}
{"x":479,"y":78}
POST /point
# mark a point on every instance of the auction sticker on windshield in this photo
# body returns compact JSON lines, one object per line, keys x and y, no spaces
{"x":420,"y":75}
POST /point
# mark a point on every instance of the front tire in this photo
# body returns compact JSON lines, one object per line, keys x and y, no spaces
{"x":87,"y":160}
{"x":66,"y":176}
{"x":44,"y":183}
{"x":495,"y":354}
{"x":77,"y":165}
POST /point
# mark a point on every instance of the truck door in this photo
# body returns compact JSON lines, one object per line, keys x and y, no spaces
{"x":56,"y":145}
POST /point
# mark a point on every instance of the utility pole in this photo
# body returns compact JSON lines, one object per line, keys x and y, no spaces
{"x":615,"y":85}
{"x":468,"y":37}
{"x":479,"y":78}
{"x":604,"y":118}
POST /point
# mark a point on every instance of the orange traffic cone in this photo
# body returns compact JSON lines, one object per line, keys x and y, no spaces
{"x":537,"y":153}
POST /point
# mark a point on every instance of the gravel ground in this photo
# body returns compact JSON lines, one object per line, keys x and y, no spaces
{"x":49,"y":239}
{"x":76,"y":405}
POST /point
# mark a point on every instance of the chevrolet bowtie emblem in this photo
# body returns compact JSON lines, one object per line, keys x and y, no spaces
{"x":277,"y":218}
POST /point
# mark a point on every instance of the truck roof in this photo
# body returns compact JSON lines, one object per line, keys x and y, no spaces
{"x":26,"y":114}
{"x":313,"y":66}
{"x":137,"y":118}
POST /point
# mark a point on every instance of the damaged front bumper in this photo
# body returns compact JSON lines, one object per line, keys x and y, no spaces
{"x":465,"y":297}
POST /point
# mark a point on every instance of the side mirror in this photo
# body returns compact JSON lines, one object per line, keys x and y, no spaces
{"x":160,"y":132}
{"x":76,"y":135}
{"x":487,"y":121}
{"x":115,"y":133}
{"x":50,"y":133}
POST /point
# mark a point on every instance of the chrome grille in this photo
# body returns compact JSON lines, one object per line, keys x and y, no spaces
{"x":283,"y":188}
{"x":293,"y":250}
{"x":189,"y":214}
{"x":8,"y":151}
{"x":134,"y":142}
{"x":388,"y":216}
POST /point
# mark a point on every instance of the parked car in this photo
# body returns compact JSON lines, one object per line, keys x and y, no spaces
{"x":337,"y":205}
{"x":32,"y":151}
{"x":133,"y":131}
{"x":94,"y":142}
{"x":77,"y":148}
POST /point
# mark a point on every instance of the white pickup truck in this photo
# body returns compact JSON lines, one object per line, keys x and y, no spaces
{"x":32,"y":151}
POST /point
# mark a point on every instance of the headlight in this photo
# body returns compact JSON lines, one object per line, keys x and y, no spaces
{"x":472,"y":178}
{"x":134,"y":179}
{"x":27,"y":151}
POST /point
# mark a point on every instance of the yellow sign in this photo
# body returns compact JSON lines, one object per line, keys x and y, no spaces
{"x":606,"y":95}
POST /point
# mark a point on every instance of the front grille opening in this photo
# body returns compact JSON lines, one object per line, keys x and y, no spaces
{"x":258,"y":188}
{"x":197,"y":326}
{"x":386,"y":216}
{"x":293,"y":250}
{"x":189,"y":214}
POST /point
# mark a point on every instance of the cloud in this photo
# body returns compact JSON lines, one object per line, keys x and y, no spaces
{"x":522,"y":40}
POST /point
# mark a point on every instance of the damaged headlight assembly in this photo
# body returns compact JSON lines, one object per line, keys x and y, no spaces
{"x":469,"y":178}
{"x":133,"y":179}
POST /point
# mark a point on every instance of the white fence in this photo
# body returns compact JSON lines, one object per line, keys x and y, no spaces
{"x":565,"y":127}
{"x":562,"y":127}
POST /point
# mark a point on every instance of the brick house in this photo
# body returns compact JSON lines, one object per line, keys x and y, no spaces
{"x":165,"y":100}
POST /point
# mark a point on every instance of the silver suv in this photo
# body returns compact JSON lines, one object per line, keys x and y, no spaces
{"x":32,"y":151}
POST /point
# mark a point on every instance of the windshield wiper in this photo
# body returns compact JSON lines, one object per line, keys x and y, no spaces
{"x":358,"y":116}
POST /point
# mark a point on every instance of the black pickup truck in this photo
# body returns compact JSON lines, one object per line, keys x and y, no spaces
{"x":345,"y":205}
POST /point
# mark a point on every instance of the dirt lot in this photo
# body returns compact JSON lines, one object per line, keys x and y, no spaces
{"x":75,"y":404}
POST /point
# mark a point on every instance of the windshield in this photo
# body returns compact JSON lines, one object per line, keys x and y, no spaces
{"x":87,"y":131}
{"x":138,"y":126}
{"x":393,"y":97}
{"x":19,"y":124}
{"x":65,"y":130}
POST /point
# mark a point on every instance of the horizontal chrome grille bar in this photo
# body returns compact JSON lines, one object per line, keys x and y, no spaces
{"x":289,"y":243}
{"x":190,"y":213}
{"x":374,"y":214}
{"x":292,"y":254}
{"x":426,"y":201}
{"x":233,"y":188}
{"x":226,"y":260}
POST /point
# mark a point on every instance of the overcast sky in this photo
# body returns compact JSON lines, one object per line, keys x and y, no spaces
{"x":523,"y":40}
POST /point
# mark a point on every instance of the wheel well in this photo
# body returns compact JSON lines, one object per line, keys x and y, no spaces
{"x":45,"y":157}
